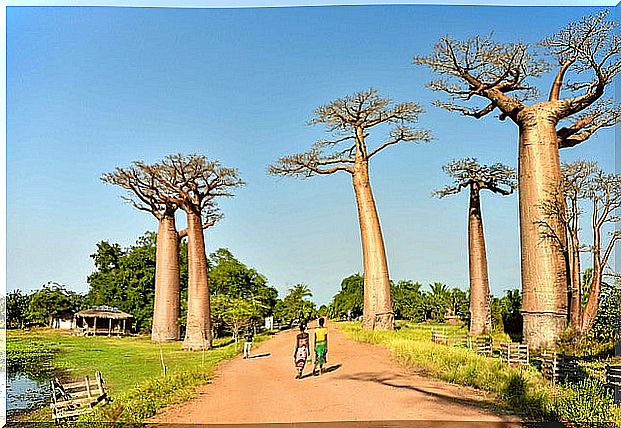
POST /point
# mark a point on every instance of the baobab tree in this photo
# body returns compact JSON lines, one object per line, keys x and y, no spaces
{"x":565,"y":206}
{"x":146,"y":194}
{"x":195,"y":183}
{"x":586,"y":188}
{"x":349,"y":120}
{"x":585,"y":52}
{"x":497,"y":178}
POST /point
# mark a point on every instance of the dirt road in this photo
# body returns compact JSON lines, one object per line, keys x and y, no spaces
{"x":362,"y":384}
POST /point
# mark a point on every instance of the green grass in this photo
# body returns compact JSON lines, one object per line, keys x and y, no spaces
{"x":130,"y":366}
{"x":520,"y":389}
{"x":418,"y":331}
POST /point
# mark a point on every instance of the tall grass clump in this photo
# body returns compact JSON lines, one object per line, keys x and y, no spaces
{"x":520,"y":389}
{"x":586,"y":402}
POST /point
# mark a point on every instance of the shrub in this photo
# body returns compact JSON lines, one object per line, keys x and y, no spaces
{"x":585,"y":402}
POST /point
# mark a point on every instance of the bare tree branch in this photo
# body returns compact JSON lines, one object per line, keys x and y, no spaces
{"x":604,"y":114}
{"x":349,"y":118}
{"x":497,"y":178}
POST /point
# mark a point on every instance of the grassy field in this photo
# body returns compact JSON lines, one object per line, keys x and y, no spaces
{"x":520,"y":389}
{"x":130,"y":366}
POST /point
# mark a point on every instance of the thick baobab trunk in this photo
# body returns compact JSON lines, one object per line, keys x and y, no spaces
{"x":480,"y":312}
{"x":166,"y":309}
{"x":198,"y":326}
{"x":544,"y":281}
{"x":378,"y":314}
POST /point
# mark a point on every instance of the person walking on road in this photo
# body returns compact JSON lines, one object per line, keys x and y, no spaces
{"x":301,"y":353}
{"x":248,"y":341}
{"x":321,"y":346}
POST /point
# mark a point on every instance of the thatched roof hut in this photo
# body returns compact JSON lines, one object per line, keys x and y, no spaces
{"x":102,"y":320}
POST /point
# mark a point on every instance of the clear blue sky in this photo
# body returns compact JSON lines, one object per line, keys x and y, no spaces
{"x":89,"y":89}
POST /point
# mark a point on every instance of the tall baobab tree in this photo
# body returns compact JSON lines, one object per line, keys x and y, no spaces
{"x":350,"y":120}
{"x":565,"y":205}
{"x":195,"y":183}
{"x":585,"y":52}
{"x":146,"y":194}
{"x":497,"y":178}
{"x":585,"y":184}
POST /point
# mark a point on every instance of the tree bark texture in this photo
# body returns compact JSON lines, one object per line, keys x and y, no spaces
{"x":575,"y":294}
{"x":544,"y":281}
{"x":480,"y":312}
{"x":166,"y":307}
{"x":378,"y":314}
{"x":198,"y":326}
{"x":590,"y":309}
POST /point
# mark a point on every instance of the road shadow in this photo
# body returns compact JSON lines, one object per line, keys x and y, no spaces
{"x":332,"y":368}
{"x":328,"y":369}
{"x":267,"y":354}
{"x":397,"y":381}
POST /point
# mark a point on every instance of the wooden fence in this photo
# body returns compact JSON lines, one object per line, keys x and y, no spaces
{"x":462,"y":340}
{"x":514,"y":353}
{"x":439,"y":338}
{"x":557,"y":367}
{"x":76,"y":398}
{"x":613,"y":380}
{"x":483,"y":345}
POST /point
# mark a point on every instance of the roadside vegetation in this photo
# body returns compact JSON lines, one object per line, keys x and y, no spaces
{"x":520,"y":389}
{"x":131,"y":367}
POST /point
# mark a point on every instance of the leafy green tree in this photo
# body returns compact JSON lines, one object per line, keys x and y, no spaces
{"x":506,"y":314}
{"x":125,"y":279}
{"x":459,"y":304}
{"x":607,"y":326}
{"x":16,"y":309}
{"x":436,"y":302}
{"x":408,"y":300}
{"x":233,"y":313}
{"x":231,"y":277}
{"x":295,"y":306}
{"x":51,"y":302}
{"x":350,"y":300}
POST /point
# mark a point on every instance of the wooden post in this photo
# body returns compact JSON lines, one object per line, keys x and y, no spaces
{"x":94,"y":326}
{"x":123,"y":327}
{"x":109,"y":326}
{"x":88,"y":386}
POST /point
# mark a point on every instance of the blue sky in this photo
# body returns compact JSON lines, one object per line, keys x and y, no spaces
{"x":89,"y":89}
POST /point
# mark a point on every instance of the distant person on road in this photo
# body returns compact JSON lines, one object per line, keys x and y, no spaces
{"x":321,"y":346}
{"x":302,"y":350}
{"x":248,"y":341}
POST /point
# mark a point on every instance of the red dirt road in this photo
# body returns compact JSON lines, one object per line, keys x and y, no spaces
{"x":362,"y":384}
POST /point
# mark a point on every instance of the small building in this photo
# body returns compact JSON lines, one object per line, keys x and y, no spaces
{"x":102,"y":320}
{"x":63,"y":323}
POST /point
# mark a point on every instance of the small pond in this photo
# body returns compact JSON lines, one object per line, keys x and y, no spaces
{"x":25,"y":392}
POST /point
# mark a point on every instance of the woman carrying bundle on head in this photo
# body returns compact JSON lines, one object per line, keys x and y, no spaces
{"x":302,"y":350}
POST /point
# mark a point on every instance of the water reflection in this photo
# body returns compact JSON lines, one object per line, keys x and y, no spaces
{"x":24,"y":392}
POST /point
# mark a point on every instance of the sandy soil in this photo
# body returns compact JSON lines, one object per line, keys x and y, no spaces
{"x":362,"y":383}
